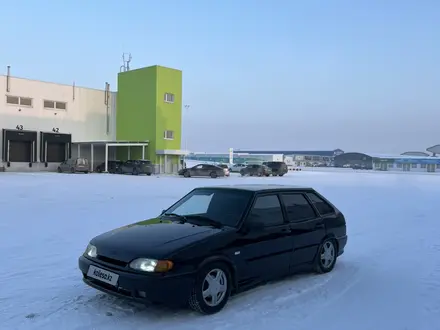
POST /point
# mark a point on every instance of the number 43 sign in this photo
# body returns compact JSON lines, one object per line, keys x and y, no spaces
{"x":55,"y":130}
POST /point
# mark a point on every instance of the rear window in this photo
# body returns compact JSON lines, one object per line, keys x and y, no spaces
{"x":81,"y":161}
{"x":274,"y":164}
{"x":322,"y":206}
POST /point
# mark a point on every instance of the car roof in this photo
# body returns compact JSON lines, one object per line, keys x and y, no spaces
{"x":258,"y":187}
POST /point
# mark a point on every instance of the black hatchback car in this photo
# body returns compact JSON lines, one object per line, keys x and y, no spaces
{"x":112,"y":166}
{"x":135,"y":167}
{"x":256,"y":170}
{"x":278,"y":168}
{"x":217,"y":241}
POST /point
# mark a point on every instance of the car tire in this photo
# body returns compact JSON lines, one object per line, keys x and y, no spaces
{"x":267,"y":174}
{"x":86,"y":172}
{"x":280,"y":174}
{"x":135,"y":171}
{"x":118,"y":171}
{"x":220,"y":273}
{"x":148,"y":174}
{"x":326,"y":258}
{"x":186,"y":174}
{"x":213,"y":175}
{"x":99,"y":170}
{"x":59,"y":170}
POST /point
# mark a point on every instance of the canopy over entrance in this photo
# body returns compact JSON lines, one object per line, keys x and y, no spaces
{"x":106,"y":145}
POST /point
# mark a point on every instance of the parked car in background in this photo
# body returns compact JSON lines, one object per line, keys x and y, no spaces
{"x":235,"y":168}
{"x":212,"y":171}
{"x":112,"y":166}
{"x":216,"y":241}
{"x":74,"y":165}
{"x":225,"y":168}
{"x":278,"y":168}
{"x":135,"y":167}
{"x":256,"y":170}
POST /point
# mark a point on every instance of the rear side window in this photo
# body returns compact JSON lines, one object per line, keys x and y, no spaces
{"x":322,"y":206}
{"x":297,"y":207}
{"x":266,"y":211}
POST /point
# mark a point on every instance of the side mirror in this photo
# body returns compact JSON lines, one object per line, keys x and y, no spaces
{"x":163,"y":211}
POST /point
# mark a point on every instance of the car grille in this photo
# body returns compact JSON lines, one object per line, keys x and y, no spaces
{"x":112,"y":261}
{"x":109,"y":287}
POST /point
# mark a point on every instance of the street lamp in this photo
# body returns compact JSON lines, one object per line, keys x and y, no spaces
{"x":185,"y":139}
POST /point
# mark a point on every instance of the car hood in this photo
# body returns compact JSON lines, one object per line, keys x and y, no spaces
{"x":153,"y":238}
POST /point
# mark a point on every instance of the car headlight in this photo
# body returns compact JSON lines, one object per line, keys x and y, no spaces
{"x":151,"y":265}
{"x":91,"y":251}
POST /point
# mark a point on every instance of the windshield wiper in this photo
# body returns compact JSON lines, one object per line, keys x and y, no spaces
{"x":182,"y":218}
{"x":205,"y":219}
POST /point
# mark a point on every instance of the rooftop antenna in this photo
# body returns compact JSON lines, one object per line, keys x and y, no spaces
{"x":126,"y":59}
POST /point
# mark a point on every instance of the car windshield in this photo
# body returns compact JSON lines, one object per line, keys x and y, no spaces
{"x":224,"y":206}
{"x":81,"y":161}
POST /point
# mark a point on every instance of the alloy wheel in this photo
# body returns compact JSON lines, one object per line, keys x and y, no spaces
{"x":328,"y":255}
{"x":214,"y":287}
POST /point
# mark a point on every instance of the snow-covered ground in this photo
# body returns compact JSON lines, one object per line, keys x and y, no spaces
{"x":389,"y":277}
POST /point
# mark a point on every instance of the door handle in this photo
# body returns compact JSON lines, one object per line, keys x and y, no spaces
{"x":320,"y":226}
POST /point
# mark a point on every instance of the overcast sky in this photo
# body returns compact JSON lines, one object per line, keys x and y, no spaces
{"x":358,"y":75}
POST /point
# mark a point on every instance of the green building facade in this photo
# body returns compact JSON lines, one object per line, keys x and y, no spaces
{"x":149,"y":108}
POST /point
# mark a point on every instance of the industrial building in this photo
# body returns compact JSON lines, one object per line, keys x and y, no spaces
{"x":403,"y":162}
{"x":300,"y":157}
{"x":292,"y":158}
{"x":414,"y":161}
{"x":45,"y":123}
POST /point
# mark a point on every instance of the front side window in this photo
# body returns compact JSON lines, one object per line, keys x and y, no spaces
{"x":225,"y":206}
{"x":266,"y":211}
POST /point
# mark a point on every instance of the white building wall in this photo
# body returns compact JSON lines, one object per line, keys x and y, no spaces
{"x":85,"y":117}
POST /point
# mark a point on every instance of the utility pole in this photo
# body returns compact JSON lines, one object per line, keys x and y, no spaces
{"x":185,"y":137}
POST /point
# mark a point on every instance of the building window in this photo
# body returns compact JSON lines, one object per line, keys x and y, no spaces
{"x":438,"y":166}
{"x":422,"y":165}
{"x":168,"y":135}
{"x":390,"y":165}
{"x":168,"y":98}
{"x":399,"y":165}
{"x":56,"y":105}
{"x":61,"y":105}
{"x":18,"y":100}
{"x":413,"y":165}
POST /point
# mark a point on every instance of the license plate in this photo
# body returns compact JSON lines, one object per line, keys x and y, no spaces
{"x":103,"y":275}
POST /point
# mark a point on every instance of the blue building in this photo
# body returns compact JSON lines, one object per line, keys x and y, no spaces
{"x":381,"y":162}
{"x":301,"y":157}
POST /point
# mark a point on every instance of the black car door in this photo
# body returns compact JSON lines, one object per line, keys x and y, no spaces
{"x":266,"y":245}
{"x":207,"y":169}
{"x":196,"y":170}
{"x":307,"y":228}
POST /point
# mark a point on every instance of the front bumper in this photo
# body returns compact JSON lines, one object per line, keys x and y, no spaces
{"x":172,"y":290}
